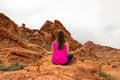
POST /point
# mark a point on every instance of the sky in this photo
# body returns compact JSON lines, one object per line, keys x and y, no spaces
{"x":86,"y":20}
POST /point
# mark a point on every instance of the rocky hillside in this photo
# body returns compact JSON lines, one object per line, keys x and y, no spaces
{"x":19,"y":43}
{"x":23,"y":42}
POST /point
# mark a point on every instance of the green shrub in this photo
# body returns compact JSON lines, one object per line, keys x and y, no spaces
{"x":24,"y":36}
{"x":114,"y":66}
{"x":13,"y":67}
{"x":103,"y":74}
{"x":82,"y":54}
{"x":32,"y":48}
{"x":2,"y":67}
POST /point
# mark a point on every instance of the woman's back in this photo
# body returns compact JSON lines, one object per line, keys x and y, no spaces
{"x":59,"y":56}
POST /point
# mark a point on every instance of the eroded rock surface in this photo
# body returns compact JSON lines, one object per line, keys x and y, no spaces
{"x":92,"y":62}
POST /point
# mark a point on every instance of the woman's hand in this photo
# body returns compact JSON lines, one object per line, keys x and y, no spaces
{"x":49,"y":52}
{"x":77,"y":50}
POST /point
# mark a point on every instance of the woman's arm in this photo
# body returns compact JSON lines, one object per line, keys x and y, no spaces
{"x":70,"y":52}
{"x":48,"y":51}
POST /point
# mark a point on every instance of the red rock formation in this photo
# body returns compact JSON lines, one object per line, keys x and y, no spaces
{"x":8,"y":24}
{"x":49,"y":30}
{"x":25,"y":45}
{"x":91,"y":49}
{"x":10,"y":40}
{"x":6,"y":35}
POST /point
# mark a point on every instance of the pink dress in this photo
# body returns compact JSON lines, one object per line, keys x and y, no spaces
{"x":59,"y":56}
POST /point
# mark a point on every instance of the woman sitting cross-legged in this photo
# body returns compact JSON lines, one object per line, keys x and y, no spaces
{"x":60,"y":50}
